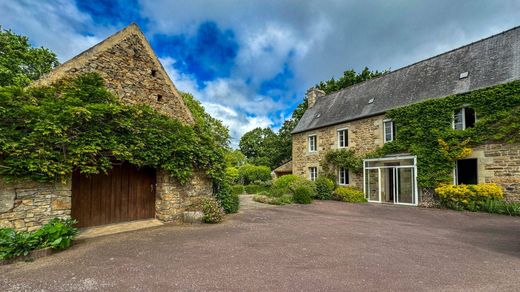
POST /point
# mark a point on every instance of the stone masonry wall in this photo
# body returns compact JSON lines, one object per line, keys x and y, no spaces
{"x":363,"y":136}
{"x":172,"y":198}
{"x":28,"y":205}
{"x":500,"y":164}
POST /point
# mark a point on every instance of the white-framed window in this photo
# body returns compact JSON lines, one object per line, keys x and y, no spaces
{"x":343,"y":177}
{"x":464,"y":118}
{"x":388,"y":130}
{"x":342,"y":138}
{"x":313,"y":143}
{"x":313,"y":173}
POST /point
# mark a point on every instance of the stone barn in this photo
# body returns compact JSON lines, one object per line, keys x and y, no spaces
{"x":132,"y":71}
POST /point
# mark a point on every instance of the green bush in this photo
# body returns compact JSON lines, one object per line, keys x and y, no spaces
{"x":469,"y":197}
{"x":501,"y":207}
{"x":213,"y":212}
{"x":302,"y":195}
{"x":238,"y":189}
{"x":57,"y":234}
{"x":255,"y":189}
{"x":301,"y":182}
{"x":324,"y":188}
{"x":228,"y":200}
{"x":264,"y":197}
{"x":249,"y":173}
{"x":281,"y":185}
{"x":348,"y":194}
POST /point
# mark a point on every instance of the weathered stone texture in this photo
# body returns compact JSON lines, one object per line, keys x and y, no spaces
{"x":33,"y":204}
{"x":131,"y":71}
{"x":500,"y":164}
{"x":172,"y":198}
{"x":363,"y":136}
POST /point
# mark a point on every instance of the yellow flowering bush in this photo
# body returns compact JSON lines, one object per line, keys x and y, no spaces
{"x":469,"y":196}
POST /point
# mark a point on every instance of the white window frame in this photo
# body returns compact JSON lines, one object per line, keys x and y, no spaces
{"x":315,"y":138}
{"x":463,"y":111}
{"x":345,"y":137}
{"x":391,"y":130}
{"x":313,"y":173}
{"x":346,"y":177}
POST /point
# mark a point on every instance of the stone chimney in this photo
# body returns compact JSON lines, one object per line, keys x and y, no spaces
{"x":313,"y":94}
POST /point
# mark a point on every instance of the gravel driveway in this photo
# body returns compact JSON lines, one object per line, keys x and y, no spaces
{"x":326,"y":246}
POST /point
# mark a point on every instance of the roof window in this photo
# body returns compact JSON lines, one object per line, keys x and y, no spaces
{"x":464,"y":75}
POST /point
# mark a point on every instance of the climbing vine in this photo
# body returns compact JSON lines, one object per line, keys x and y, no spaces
{"x":425,"y":129}
{"x":336,"y":158}
{"x":47,"y":133}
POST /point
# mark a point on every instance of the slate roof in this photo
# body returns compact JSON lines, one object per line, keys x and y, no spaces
{"x":490,"y":61}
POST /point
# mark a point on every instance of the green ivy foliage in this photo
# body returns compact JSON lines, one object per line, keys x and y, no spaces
{"x":425,"y":129}
{"x":344,"y":157}
{"x":46,"y":133}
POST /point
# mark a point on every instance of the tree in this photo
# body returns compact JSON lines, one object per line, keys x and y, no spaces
{"x":20,"y":63}
{"x":349,"y":78}
{"x":235,"y":158}
{"x":208,"y":123}
{"x":260,"y":146}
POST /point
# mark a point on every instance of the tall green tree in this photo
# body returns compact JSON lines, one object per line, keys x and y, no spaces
{"x":209,"y":124}
{"x":20,"y":63}
{"x":349,"y":78}
{"x":260,"y":146}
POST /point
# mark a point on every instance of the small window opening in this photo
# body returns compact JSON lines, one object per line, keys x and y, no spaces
{"x":463,"y":75}
{"x":464,"y":118}
{"x":159,"y":97}
{"x":467,"y":172}
{"x":154,"y":72}
{"x":389,"y":130}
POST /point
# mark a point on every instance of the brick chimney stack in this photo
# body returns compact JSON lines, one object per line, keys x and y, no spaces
{"x":313,"y":94}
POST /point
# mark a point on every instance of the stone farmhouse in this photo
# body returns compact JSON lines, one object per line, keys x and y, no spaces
{"x":355,"y":118}
{"x":132,"y":72}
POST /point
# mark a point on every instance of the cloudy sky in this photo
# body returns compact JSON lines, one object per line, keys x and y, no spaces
{"x":250,"y":62}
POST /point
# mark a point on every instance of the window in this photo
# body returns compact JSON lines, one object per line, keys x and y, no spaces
{"x":313,"y":143}
{"x":159,"y":97}
{"x":467,"y":172}
{"x":313,"y":173}
{"x":342,"y":138}
{"x":343,"y":178}
{"x":464,"y":118}
{"x":389,"y":130}
{"x":154,"y":72}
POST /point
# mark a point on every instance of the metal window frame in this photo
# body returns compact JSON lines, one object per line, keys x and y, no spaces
{"x":367,"y":180}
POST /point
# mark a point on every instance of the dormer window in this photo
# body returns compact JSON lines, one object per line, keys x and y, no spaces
{"x":464,"y":118}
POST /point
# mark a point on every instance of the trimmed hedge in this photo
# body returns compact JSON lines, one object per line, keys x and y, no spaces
{"x":349,"y":194}
{"x":302,"y":195}
{"x":238,"y":189}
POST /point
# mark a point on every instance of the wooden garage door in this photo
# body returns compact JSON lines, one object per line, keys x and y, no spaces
{"x":126,"y":193}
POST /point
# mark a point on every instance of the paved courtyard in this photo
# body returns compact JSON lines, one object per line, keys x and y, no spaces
{"x":326,"y":246}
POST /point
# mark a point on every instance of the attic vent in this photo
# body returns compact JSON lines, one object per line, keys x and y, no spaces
{"x":318,"y":115}
{"x":159,"y":97}
{"x":154,"y":72}
{"x":371,"y":100}
{"x":463,"y":75}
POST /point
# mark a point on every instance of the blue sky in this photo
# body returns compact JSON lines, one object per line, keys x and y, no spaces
{"x":250,"y":62}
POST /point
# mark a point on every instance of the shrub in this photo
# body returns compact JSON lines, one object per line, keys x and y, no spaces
{"x":57,"y":234}
{"x":249,"y":173}
{"x":213,"y":212}
{"x":281,"y":185}
{"x":237,"y":189}
{"x":228,"y":200}
{"x":468,"y":196}
{"x":255,"y":189}
{"x":302,"y":195}
{"x":348,"y":194}
{"x":301,"y":182}
{"x":324,"y":188}
{"x":501,"y":207}
{"x":232,"y":174}
{"x":264,"y":197}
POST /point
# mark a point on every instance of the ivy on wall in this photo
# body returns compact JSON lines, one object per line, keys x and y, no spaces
{"x":47,"y":133}
{"x":425,"y":129}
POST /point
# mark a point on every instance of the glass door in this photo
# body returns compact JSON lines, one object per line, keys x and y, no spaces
{"x":372,"y":185}
{"x":404,"y":186}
